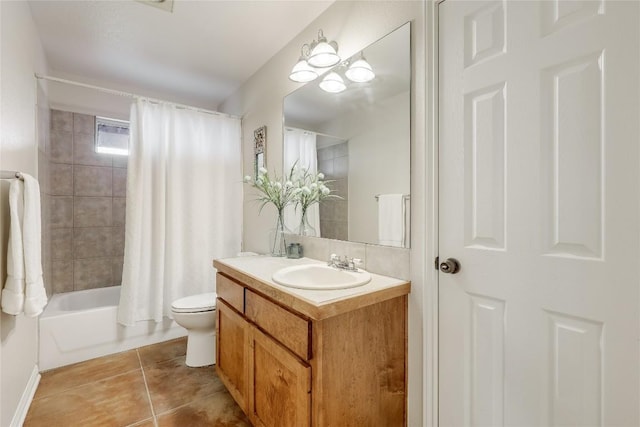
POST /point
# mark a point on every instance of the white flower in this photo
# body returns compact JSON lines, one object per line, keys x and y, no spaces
{"x":259,"y":180}
{"x":306,"y":190}
{"x":313,"y":186}
{"x":320,"y":175}
{"x":324,"y":190}
{"x":288,"y":184}
{"x":262,"y":171}
{"x":278,"y":185}
{"x":247,"y":178}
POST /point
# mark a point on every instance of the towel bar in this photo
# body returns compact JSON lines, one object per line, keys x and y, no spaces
{"x":10,"y":175}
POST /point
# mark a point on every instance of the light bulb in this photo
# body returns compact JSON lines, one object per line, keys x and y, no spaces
{"x":302,"y":72}
{"x":333,"y":83}
{"x":360,"y":71}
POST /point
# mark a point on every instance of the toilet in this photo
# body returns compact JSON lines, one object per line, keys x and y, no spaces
{"x":197,"y":314}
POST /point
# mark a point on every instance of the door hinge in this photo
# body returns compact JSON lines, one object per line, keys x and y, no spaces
{"x":436,"y":263}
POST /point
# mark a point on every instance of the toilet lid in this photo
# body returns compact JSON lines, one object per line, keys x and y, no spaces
{"x":195,"y":303}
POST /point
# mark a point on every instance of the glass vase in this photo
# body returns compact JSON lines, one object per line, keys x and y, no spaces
{"x":277,"y":244}
{"x":306,"y":229}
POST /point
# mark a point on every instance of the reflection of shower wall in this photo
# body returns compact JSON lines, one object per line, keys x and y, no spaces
{"x":87,"y":207}
{"x":333,"y":161}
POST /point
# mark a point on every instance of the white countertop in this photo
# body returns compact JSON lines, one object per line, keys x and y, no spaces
{"x":262,"y":267}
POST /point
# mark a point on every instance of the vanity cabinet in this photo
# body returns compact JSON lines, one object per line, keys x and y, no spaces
{"x":288,"y":361}
{"x":232,"y":354}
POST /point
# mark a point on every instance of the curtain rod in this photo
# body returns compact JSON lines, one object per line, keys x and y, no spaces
{"x":132,"y":95}
{"x":404,"y":196}
{"x":290,"y":128}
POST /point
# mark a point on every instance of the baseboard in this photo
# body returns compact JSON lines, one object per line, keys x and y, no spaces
{"x":26,"y":399}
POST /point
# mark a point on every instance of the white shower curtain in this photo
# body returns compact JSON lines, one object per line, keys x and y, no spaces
{"x":300,"y":145}
{"x":184,"y":206}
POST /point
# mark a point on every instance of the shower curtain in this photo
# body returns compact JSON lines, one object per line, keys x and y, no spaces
{"x":300,"y":145}
{"x":183,"y":207}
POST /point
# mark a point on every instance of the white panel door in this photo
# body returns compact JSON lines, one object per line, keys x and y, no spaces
{"x":539,"y":202}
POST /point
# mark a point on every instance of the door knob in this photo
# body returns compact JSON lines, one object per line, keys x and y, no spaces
{"x":450,"y":266}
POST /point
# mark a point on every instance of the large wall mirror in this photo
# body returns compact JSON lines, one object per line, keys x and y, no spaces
{"x":360,"y":139}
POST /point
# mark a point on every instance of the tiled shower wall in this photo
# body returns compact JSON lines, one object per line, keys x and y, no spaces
{"x":333,"y":161}
{"x":88,"y":192}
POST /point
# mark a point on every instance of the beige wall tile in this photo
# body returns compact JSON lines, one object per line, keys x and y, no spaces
{"x":84,"y":152}
{"x":119,"y":182}
{"x":120,"y":161}
{"x":92,"y":212}
{"x":62,"y":276}
{"x":61,"y":146}
{"x":92,"y":273}
{"x":92,"y":242}
{"x":61,"y":121}
{"x":116,"y":270}
{"x":341,"y":150}
{"x":119,"y":211}
{"x":92,"y":181}
{"x":83,"y":123}
{"x":118,"y":241}
{"x":44,"y":172}
{"x":61,"y":179}
{"x":341,"y":167}
{"x":61,"y":212}
{"x":394,"y":262}
{"x":62,"y":244}
{"x":326,"y":167}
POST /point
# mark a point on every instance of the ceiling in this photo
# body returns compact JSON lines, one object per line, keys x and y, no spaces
{"x":199,"y":54}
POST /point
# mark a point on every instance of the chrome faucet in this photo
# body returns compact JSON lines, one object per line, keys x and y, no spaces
{"x":344,"y":263}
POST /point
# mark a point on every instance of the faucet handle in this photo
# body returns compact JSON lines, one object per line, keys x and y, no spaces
{"x":357,"y":263}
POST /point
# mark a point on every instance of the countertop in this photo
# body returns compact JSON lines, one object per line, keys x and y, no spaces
{"x":255,"y":272}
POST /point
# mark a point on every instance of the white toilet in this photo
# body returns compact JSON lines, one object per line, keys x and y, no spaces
{"x":197,"y":314}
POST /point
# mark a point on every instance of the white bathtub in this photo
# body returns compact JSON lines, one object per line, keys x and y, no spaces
{"x":82,"y":325}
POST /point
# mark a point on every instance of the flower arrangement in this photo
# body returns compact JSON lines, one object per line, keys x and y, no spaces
{"x":278,"y":191}
{"x":299,"y":187}
{"x":309,"y":189}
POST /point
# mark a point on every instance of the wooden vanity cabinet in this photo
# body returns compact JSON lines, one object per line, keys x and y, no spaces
{"x":279,"y":385}
{"x":285,"y":368}
{"x":232,"y":353}
{"x":271,"y":384}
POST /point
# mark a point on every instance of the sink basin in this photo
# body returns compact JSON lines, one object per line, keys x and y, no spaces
{"x":319,"y":277}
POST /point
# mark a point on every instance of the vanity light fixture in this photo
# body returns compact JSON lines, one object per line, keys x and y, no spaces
{"x":319,"y":54}
{"x":333,"y":83}
{"x":360,"y":71}
{"x":302,"y":72}
{"x":323,"y":53}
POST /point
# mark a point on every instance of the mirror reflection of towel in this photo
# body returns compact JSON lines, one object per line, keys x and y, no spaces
{"x":391,"y":220}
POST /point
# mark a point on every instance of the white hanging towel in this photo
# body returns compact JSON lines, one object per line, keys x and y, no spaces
{"x":391,"y":218}
{"x":24,"y":289}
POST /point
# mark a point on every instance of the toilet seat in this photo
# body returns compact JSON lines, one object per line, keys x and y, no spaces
{"x":195,"y":303}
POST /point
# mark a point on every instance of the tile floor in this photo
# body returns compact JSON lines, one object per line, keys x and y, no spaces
{"x":149,"y":386}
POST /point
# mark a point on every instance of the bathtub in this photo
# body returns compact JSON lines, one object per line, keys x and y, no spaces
{"x":82,"y":325}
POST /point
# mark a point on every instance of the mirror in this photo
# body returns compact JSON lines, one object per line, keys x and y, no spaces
{"x":259,"y":149}
{"x":360,"y":140}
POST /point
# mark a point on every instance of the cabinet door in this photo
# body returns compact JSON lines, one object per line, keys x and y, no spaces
{"x":280,"y":385}
{"x":232,"y":352}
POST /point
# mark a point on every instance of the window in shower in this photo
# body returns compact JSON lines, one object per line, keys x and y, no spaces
{"x":112,"y":136}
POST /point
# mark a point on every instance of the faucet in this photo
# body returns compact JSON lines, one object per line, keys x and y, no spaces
{"x":344,"y":263}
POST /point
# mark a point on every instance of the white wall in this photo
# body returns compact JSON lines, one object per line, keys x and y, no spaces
{"x":21,"y":55}
{"x":354,"y":25}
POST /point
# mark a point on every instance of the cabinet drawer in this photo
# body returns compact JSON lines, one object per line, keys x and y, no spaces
{"x":291,"y":330}
{"x":230,"y":291}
